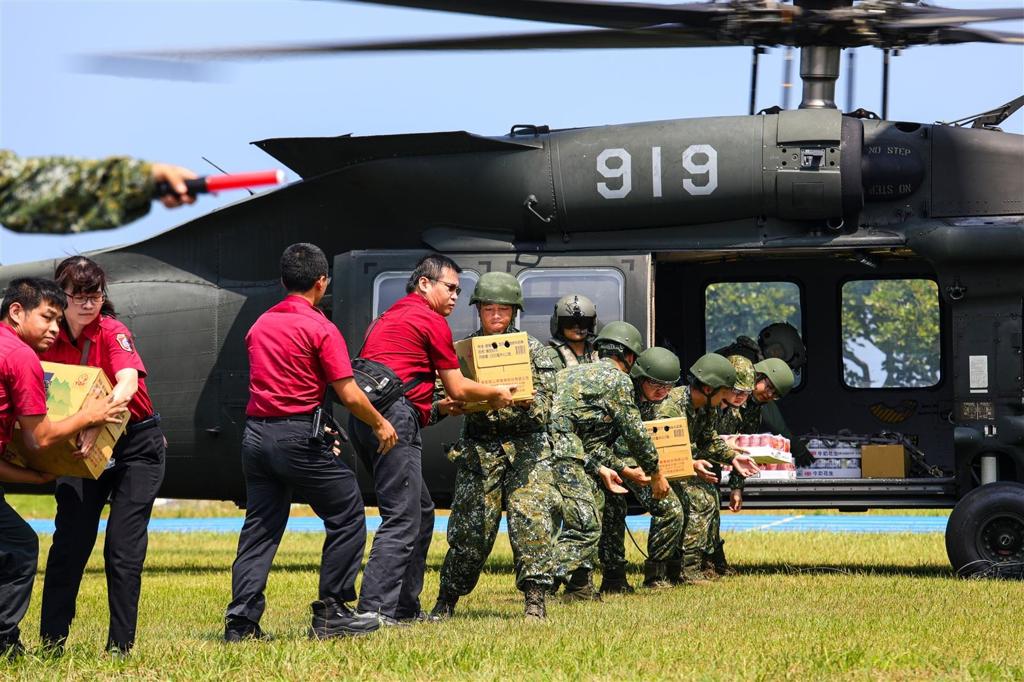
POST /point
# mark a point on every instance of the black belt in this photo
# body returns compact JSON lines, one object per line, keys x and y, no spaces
{"x":147,"y":423}
{"x":308,"y":418}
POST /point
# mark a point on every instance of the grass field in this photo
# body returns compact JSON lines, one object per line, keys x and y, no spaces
{"x":807,"y":606}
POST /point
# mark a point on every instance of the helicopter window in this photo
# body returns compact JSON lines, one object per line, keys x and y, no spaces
{"x":389,"y":286}
{"x":734,"y":309}
{"x":891,"y":333}
{"x":543,"y":287}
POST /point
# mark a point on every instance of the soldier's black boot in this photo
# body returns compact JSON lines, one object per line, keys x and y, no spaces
{"x":707,"y":568}
{"x":331,"y":619}
{"x":719,"y":562}
{"x":444,"y":608}
{"x":613,"y":581}
{"x":235,"y":630}
{"x":674,"y":571}
{"x":655,"y":576}
{"x":580,"y":587}
{"x":534,"y":598}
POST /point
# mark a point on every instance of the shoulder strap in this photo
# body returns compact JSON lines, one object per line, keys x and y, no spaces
{"x":369,"y":329}
{"x":86,"y":346}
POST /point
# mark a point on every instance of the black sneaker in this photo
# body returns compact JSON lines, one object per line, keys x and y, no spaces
{"x":241,"y":629}
{"x":331,"y":619}
{"x":421,"y":617}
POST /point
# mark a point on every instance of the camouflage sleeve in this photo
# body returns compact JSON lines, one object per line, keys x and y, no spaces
{"x":544,"y":370}
{"x":736,"y":480}
{"x":630,"y":426}
{"x":59,"y":194}
{"x":712,"y":447}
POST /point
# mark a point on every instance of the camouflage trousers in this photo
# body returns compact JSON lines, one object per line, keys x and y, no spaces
{"x":579,"y":517}
{"x":517,"y":472}
{"x":666,"y":529}
{"x":701,"y":500}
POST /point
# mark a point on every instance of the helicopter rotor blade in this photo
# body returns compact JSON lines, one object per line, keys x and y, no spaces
{"x":547,"y":40}
{"x":955,"y":35}
{"x":928,"y":16}
{"x":600,"y":13}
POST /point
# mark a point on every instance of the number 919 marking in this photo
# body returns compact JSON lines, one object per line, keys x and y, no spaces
{"x":623,"y":171}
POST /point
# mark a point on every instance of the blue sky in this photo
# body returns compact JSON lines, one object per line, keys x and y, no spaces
{"x":48,"y":108}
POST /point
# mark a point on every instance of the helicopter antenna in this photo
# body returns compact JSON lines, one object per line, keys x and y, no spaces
{"x":251,"y":193}
{"x":787,"y":76}
{"x":886,"y":52}
{"x":758,"y":51}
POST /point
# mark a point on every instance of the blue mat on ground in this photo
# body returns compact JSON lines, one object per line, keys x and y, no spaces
{"x":731,"y":523}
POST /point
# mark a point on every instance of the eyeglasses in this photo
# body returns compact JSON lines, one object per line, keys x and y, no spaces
{"x":82,"y":299}
{"x":452,"y":288}
{"x":660,"y":385}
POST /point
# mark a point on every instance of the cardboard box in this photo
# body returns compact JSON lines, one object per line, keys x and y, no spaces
{"x":672,"y":439}
{"x":67,"y":387}
{"x":884,"y":461}
{"x":497,"y":360}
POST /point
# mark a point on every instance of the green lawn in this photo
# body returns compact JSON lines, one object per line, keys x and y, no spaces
{"x":807,"y":606}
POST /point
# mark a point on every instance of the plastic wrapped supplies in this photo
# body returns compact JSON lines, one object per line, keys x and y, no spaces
{"x":832,"y":459}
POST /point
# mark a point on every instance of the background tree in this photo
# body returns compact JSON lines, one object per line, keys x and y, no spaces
{"x":891,"y":325}
{"x":745,"y":308}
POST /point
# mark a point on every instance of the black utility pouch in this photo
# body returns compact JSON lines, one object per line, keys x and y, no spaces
{"x":379,"y":382}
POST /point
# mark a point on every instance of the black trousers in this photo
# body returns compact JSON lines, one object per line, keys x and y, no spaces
{"x":393,"y":577}
{"x":19,"y":557}
{"x":131,"y":486}
{"x":278,"y":458}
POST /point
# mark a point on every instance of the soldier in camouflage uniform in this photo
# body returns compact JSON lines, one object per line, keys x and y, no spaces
{"x":654,"y":374}
{"x":502,"y":455}
{"x":592,"y":409}
{"x":572,"y":331}
{"x":714,"y":563}
{"x":712,"y":376}
{"x":58,"y":194}
{"x":778,"y":340}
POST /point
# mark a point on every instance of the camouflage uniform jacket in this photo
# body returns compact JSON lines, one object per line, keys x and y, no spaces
{"x":60,"y":194}
{"x":734,"y":420}
{"x":704,"y":425}
{"x":595,"y":404}
{"x":514,"y":421}
{"x":622,"y":456}
{"x":562,"y":354}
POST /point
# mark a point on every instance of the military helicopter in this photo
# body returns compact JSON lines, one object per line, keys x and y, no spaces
{"x":653,"y":221}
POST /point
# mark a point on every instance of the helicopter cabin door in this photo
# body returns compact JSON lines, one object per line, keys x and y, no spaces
{"x":366,"y":283}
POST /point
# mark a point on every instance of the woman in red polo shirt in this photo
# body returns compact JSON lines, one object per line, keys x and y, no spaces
{"x":91,"y":335}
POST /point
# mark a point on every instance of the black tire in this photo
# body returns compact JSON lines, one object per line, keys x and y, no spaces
{"x":985,"y":534}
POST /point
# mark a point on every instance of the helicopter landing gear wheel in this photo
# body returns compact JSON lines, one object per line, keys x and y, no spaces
{"x":985,"y":534}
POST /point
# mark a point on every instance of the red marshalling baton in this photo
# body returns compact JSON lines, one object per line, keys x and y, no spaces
{"x":218,"y":183}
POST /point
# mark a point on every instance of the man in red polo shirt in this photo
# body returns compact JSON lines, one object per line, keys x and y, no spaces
{"x":411,"y":337}
{"x":29,"y":317}
{"x":295,"y":352}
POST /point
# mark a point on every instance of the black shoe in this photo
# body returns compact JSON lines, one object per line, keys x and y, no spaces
{"x":444,"y":608}
{"x":534,"y":609}
{"x":655,"y":575}
{"x":118,"y":652}
{"x":421,"y":617}
{"x":580,"y":587}
{"x":11,"y":649}
{"x":614,"y":582}
{"x":241,"y":629}
{"x":331,"y":619}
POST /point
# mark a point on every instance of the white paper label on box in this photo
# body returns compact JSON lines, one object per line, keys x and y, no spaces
{"x":978,"y":365}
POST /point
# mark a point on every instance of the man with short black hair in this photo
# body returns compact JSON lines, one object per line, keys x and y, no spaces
{"x":295,"y":352}
{"x":29,"y":319}
{"x":413,"y":339}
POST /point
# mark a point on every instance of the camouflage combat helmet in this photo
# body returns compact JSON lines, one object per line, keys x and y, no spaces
{"x":497,"y":287}
{"x":745,"y":374}
{"x":714,"y":370}
{"x":622,"y":333}
{"x":657,"y":364}
{"x":782,"y":340}
{"x":778,"y":373}
{"x":574,"y":306}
